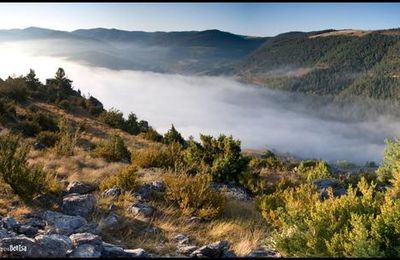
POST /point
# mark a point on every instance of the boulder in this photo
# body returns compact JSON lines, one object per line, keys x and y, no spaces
{"x":4,"y":233}
{"x":78,"y":205}
{"x":262,"y":253}
{"x":27,"y":230}
{"x":80,"y":188}
{"x":63,"y":224}
{"x":54,"y":245}
{"x":232,"y":191}
{"x":139,"y":252}
{"x":186,"y":250}
{"x":110,"y":250}
{"x":215,"y":250}
{"x":39,"y":146}
{"x":140,"y":209}
{"x":112,"y":192}
{"x":181,"y":239}
{"x":10,"y":223}
{"x":85,"y":238}
{"x":229,"y":254}
{"x":158,"y":186}
{"x":144,"y":192}
{"x":34,"y":221}
{"x":111,"y":221}
{"x":20,"y":246}
{"x":86,"y":250}
{"x":323,"y":185}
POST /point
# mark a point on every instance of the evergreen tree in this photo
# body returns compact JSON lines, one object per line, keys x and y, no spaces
{"x":31,"y":81}
{"x":173,"y":136}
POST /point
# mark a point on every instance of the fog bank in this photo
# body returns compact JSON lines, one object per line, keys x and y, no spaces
{"x":259,"y":117}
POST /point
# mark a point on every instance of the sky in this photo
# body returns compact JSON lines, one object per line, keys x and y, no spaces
{"x":256,"y":19}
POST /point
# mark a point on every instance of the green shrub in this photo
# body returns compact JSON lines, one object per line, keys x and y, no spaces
{"x":65,"y":105}
{"x":390,"y":162}
{"x":27,"y":181}
{"x":27,"y":128}
{"x":14,"y":89}
{"x":346,"y":226}
{"x":113,"y":150}
{"x":173,"y":136}
{"x":7,"y":111}
{"x":151,"y":135}
{"x":160,"y":156}
{"x":49,"y":139}
{"x":67,"y":139}
{"x":268,"y":161}
{"x":253,"y":182}
{"x":311,"y":170}
{"x":221,"y":157}
{"x":46,"y":121}
{"x":94,"y":106}
{"x":126,"y":179}
{"x":193,"y":195}
{"x":113,"y":118}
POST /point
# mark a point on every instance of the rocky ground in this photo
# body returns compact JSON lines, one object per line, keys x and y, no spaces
{"x":67,"y":232}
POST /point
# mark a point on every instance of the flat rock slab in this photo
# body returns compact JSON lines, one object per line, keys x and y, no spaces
{"x":54,"y":245}
{"x":78,"y":205}
{"x":80,"y":187}
{"x":140,"y":209}
{"x":64,"y":224}
{"x":85,"y":238}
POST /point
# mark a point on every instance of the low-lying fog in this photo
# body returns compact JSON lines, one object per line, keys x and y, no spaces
{"x":259,"y":117}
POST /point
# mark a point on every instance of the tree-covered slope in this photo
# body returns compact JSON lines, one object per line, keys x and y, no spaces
{"x":334,"y":63}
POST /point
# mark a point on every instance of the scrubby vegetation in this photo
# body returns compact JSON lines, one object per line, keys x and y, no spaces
{"x":27,"y":181}
{"x":113,"y":150}
{"x":125,"y":179}
{"x":194,"y":196}
{"x":311,"y":170}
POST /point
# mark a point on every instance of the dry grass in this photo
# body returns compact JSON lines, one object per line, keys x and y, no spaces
{"x":80,"y":167}
{"x":357,"y":33}
{"x":241,"y":224}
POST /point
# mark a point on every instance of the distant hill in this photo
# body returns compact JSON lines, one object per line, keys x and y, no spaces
{"x":341,"y":63}
{"x":337,"y":63}
{"x":191,"y":52}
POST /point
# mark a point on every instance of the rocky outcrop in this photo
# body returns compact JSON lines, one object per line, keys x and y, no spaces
{"x":145,"y":191}
{"x":112,"y":192}
{"x":323,"y":185}
{"x":63,"y":224}
{"x":215,"y":250}
{"x":54,"y":245}
{"x":80,"y":188}
{"x":78,"y":205}
{"x":262,"y":253}
{"x":59,"y":238}
{"x":141,"y":210}
{"x":231,"y":191}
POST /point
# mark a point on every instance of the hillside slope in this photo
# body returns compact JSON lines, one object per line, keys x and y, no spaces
{"x":338,"y":63}
{"x":187,"y":52}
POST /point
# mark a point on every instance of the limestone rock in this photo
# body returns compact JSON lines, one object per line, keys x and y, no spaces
{"x":78,"y":205}
{"x":140,"y":209}
{"x":215,"y":250}
{"x":64,"y":224}
{"x":80,"y":188}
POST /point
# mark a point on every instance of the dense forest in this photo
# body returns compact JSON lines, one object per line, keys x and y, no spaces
{"x":328,"y":63}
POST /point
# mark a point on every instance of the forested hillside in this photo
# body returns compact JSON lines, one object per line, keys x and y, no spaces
{"x":337,"y":63}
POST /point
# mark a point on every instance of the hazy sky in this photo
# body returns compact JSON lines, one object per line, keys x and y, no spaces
{"x":258,"y":19}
